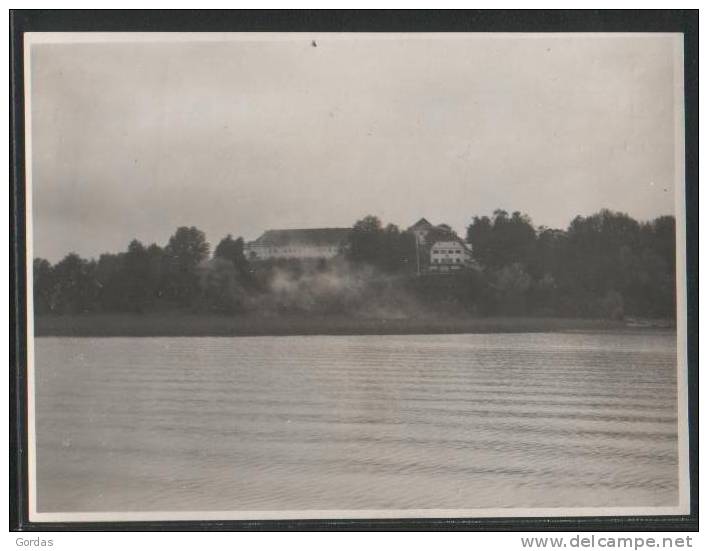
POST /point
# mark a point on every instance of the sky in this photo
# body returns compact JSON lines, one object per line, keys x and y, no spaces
{"x":240,"y":134}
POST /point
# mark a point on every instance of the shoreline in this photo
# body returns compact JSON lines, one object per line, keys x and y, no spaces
{"x":204,"y":325}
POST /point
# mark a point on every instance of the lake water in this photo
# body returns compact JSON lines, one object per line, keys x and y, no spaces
{"x":360,"y":422}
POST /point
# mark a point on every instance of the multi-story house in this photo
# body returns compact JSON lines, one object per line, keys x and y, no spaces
{"x":448,"y":256}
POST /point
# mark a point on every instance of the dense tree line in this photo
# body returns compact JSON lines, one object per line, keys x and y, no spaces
{"x":141,"y":279}
{"x":604,"y":265}
{"x":385,"y":248}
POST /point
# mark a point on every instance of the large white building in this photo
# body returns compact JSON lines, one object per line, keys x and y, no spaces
{"x":448,"y":256}
{"x":303,"y":244}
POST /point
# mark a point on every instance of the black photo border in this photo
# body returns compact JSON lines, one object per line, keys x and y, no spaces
{"x":555,"y":21}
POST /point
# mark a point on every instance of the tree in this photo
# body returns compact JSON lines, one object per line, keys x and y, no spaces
{"x":387,"y":249}
{"x":229,"y":248}
{"x":221,"y":290}
{"x":136,"y":274}
{"x":479,"y":236}
{"x":502,"y":240}
{"x":601,"y":260}
{"x":656,"y":281}
{"x":233,"y":250}
{"x":512,"y":284}
{"x":186,"y":249}
{"x":156,"y":272}
{"x":661,"y":236}
{"x":76,"y":288}
{"x":365,"y":241}
{"x":549,"y":253}
{"x":43,"y":286}
{"x":397,"y":250}
{"x":112,"y":286}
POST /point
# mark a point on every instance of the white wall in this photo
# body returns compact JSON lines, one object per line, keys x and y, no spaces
{"x":293,"y":251}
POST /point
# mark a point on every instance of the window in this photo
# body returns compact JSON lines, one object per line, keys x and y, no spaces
{"x":457,"y":260}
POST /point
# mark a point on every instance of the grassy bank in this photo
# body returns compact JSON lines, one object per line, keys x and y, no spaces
{"x":153,"y":325}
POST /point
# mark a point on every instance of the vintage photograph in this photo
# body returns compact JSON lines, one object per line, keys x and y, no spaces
{"x":331,"y":275}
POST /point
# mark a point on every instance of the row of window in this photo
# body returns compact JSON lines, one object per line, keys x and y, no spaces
{"x":448,"y":252}
{"x":319,"y":249}
{"x":442,"y":260}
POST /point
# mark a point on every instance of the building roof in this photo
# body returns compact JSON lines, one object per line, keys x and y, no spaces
{"x":448,"y":244}
{"x":420,"y":224}
{"x":314,"y":237}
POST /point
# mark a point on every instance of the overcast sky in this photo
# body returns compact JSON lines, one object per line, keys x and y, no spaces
{"x":133,"y":139}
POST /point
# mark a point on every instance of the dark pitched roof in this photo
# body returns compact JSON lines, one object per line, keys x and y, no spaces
{"x":319,"y":237}
{"x":422,"y":223}
{"x":454,"y":239}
